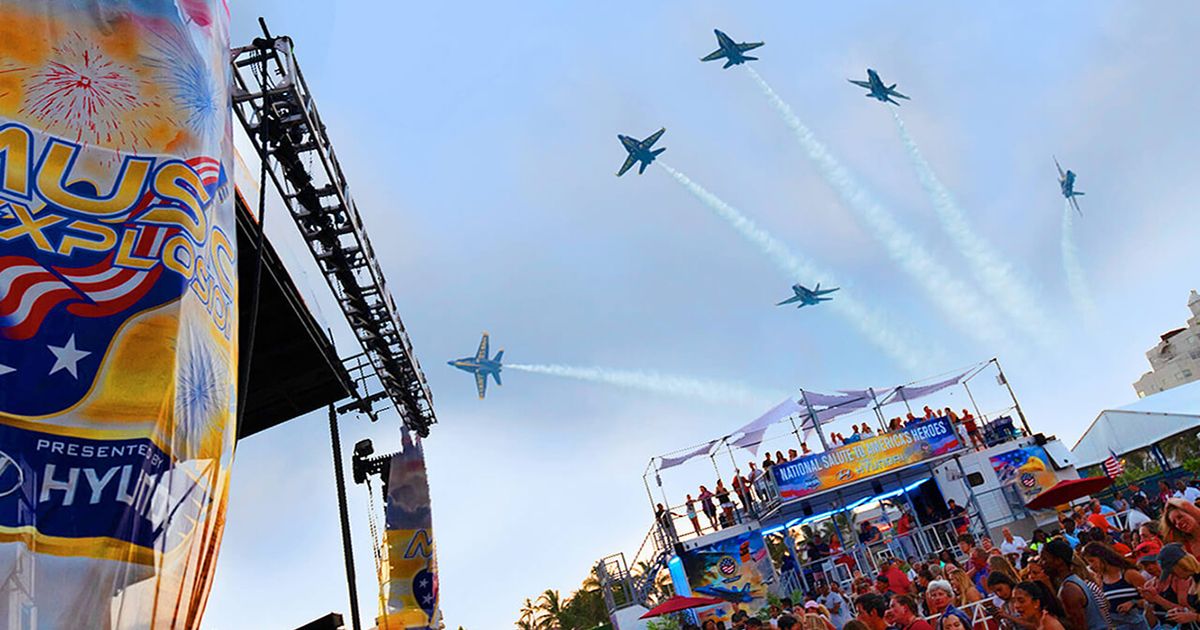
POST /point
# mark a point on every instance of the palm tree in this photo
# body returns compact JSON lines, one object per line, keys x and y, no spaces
{"x":529,"y":615}
{"x":550,"y":605}
{"x":591,"y":582}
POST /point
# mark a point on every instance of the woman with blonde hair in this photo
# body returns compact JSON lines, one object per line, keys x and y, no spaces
{"x":1001,"y":564}
{"x":1180,"y":523}
{"x":964,"y":589}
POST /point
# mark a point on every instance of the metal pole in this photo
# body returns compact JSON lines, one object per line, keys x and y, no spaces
{"x":1013,"y":395}
{"x":795,"y":429}
{"x":978,"y":413}
{"x":912,"y":514}
{"x":900,"y":390}
{"x":863,"y":559}
{"x":344,"y":514}
{"x":646,"y":482}
{"x":971,"y":495}
{"x":816,"y":421}
{"x":878,"y":414}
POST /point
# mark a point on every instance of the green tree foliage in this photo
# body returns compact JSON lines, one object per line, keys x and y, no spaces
{"x":583,"y":610}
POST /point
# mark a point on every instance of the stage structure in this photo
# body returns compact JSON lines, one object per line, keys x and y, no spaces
{"x":279,"y":114}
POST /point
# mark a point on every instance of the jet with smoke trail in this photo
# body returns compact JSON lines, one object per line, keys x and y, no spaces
{"x":991,"y":270}
{"x":696,"y":389}
{"x":879,"y":91}
{"x":1076,"y":280}
{"x":875,"y":327}
{"x":959,"y":302}
{"x":1066,"y":182}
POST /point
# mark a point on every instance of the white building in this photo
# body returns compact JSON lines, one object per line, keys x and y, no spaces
{"x":1176,"y":358}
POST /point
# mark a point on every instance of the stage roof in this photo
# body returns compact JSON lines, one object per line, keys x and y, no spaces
{"x":294,"y":368}
{"x":1140,"y":424}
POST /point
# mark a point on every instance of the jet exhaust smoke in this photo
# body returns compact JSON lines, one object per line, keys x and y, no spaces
{"x":990,"y":269}
{"x":871,"y":325}
{"x":960,"y":303}
{"x":696,"y":389}
{"x":1076,"y":281}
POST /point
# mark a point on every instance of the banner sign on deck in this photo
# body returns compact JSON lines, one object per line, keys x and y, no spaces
{"x":736,"y":570}
{"x":118,"y":319}
{"x":1026,"y":469}
{"x":913,"y":444}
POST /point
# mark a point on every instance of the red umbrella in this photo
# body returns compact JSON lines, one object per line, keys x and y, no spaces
{"x":1067,"y":491}
{"x":678,"y":603}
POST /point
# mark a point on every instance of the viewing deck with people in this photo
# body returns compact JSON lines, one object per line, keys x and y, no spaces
{"x":839,"y":493}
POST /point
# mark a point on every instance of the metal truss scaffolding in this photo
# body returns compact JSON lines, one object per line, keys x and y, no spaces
{"x":270,"y":93}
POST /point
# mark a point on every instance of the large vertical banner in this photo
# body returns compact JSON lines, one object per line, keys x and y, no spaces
{"x":412,"y":584}
{"x":118,"y":329}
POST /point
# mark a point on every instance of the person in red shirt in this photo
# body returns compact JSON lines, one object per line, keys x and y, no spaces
{"x":905,"y":615}
{"x":897,"y":581}
{"x":1098,"y":520}
{"x":972,"y":428}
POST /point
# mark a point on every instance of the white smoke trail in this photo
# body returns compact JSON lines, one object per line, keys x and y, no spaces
{"x":869,"y":324}
{"x":991,"y":270}
{"x":696,"y":389}
{"x":1076,"y":281}
{"x":959,"y":302}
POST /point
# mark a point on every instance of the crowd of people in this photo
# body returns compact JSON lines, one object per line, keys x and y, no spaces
{"x":1129,"y":565}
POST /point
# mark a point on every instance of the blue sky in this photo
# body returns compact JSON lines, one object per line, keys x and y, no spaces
{"x":479,"y":140}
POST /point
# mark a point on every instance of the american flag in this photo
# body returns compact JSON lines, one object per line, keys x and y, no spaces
{"x":1113,"y":466}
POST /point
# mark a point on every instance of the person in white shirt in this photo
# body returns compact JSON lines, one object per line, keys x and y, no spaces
{"x":1185,"y":492}
{"x":835,"y":603}
{"x":1012,"y":545}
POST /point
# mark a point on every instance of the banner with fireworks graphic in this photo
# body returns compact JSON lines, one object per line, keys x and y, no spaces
{"x":118,"y":327}
{"x":411,"y":580}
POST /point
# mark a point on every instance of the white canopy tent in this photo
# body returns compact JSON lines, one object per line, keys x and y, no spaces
{"x":1138,"y":425}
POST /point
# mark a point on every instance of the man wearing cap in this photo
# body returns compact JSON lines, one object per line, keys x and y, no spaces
{"x":1161,"y":591}
{"x":1085,"y":609}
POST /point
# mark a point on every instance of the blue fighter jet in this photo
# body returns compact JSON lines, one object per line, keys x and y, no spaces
{"x":735,"y":596}
{"x":639,"y":151}
{"x":1066,"y":181}
{"x":731,"y":51}
{"x":481,"y":366}
{"x":879,"y":91}
{"x":808,"y":297}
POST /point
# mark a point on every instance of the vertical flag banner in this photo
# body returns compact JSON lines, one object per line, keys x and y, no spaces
{"x":118,"y":323}
{"x":412,"y":587}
